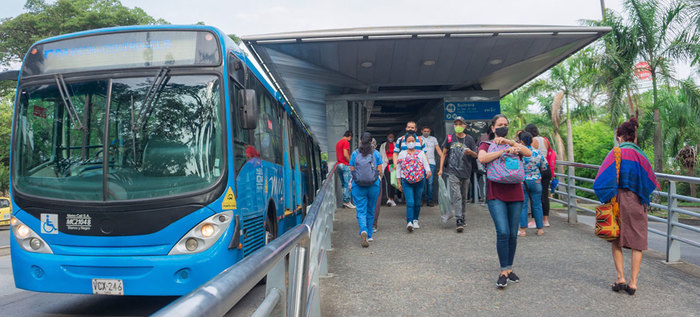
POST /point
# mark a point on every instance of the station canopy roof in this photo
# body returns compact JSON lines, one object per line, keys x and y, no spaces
{"x":309,"y":66}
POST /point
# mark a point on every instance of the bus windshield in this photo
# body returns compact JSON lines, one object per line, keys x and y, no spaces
{"x":159,"y":136}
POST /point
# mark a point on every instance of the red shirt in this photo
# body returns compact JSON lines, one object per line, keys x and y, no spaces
{"x":503,"y":192}
{"x":339,"y":147}
{"x":390,"y":151}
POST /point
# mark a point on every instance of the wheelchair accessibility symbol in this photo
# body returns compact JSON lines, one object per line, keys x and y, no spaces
{"x":49,"y":223}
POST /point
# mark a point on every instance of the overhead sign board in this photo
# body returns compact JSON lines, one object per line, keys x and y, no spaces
{"x":472,"y":110}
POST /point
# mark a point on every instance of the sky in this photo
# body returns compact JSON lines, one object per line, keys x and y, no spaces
{"x":275,"y":16}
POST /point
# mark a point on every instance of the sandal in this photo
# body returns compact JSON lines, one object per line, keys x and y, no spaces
{"x":521,"y":233}
{"x":540,"y":232}
{"x":630,"y":290}
{"x":616,"y":287}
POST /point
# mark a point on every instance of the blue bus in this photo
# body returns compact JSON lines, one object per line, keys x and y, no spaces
{"x":147,"y":159}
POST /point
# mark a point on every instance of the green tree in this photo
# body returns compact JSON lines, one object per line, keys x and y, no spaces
{"x":44,"y":19}
{"x":663,"y":35}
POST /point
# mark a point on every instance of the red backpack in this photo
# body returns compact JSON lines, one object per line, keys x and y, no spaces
{"x":551,"y":157}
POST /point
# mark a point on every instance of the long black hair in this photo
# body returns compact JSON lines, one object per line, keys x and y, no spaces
{"x":366,"y":144}
{"x":493,"y":122}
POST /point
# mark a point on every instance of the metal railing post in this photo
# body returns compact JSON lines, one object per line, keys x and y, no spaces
{"x":571,"y":196}
{"x":673,"y":247}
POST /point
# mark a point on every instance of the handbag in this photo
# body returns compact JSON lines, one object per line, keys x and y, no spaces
{"x":394,"y":182}
{"x":607,"y":216}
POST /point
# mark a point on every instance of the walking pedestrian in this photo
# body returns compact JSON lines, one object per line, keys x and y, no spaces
{"x":505,"y":200}
{"x":342,"y":154}
{"x":542,"y":145}
{"x":634,"y":187}
{"x":532,"y":186}
{"x":365,"y":164}
{"x":387,"y":151}
{"x":431,"y":147}
{"x":412,"y":168}
{"x":401,"y":144}
{"x":458,"y":149}
{"x":378,"y":204}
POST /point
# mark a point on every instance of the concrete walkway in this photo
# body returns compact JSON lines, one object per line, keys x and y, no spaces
{"x":435,"y":271}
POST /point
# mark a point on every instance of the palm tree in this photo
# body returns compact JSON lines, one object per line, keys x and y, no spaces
{"x":614,"y":60}
{"x":515,"y":105}
{"x":663,"y":35}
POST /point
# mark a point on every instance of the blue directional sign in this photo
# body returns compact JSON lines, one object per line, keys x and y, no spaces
{"x":472,"y":110}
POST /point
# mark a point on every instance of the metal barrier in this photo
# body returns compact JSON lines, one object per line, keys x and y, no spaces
{"x":673,"y":249}
{"x":292,"y":282}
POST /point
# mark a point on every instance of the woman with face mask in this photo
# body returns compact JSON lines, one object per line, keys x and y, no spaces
{"x":411,"y":169}
{"x":505,"y":201}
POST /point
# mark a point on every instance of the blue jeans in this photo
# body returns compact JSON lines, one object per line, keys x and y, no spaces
{"x":413,"y":194}
{"x":365,"y":202}
{"x":345,"y":178}
{"x":505,"y":217}
{"x":429,"y":184}
{"x":534,"y":189}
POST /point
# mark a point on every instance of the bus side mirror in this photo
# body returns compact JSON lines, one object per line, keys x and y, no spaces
{"x":248,"y":105}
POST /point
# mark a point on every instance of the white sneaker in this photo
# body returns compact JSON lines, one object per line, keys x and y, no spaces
{"x":409,"y":227}
{"x":374,"y":230}
{"x":349,"y":205}
{"x":415,"y":224}
{"x":391,"y":203}
{"x":370,"y":239}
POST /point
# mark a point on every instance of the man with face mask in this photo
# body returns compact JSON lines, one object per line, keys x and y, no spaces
{"x":432,"y":146}
{"x":458,"y":149}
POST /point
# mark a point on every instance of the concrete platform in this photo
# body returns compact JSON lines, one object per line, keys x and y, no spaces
{"x":435,"y":271}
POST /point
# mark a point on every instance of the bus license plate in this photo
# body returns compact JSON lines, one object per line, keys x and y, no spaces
{"x":107,"y":287}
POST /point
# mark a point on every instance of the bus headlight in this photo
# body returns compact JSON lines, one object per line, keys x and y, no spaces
{"x":27,"y":238}
{"x":204,"y":234}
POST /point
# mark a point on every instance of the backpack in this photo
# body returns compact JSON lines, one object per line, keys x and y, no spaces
{"x":507,"y":169}
{"x":412,"y":168}
{"x":365,"y":172}
{"x":551,"y":157}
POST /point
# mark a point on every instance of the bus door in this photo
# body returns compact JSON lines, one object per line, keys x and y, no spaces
{"x":288,"y":220}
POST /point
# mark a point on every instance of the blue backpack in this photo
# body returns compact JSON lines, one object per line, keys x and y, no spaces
{"x":365,"y":172}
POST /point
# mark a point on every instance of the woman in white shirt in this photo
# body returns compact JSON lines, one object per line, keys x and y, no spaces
{"x":412,"y":167}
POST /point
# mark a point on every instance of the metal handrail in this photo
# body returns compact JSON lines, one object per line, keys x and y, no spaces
{"x":673,"y":252}
{"x":306,"y":244}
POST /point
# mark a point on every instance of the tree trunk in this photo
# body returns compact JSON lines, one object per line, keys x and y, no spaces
{"x":560,"y":149}
{"x":569,"y":133}
{"x":658,"y":141}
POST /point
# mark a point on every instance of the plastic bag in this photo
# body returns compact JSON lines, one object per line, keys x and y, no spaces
{"x":446,"y":212}
{"x":394,"y":181}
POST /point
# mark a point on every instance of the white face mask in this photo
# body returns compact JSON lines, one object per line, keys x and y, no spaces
{"x":411,"y":145}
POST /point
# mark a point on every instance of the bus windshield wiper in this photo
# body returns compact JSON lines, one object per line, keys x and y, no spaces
{"x":68,"y":103}
{"x":156,"y":87}
{"x":72,"y":113}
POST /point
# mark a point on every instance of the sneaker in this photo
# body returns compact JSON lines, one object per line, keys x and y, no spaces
{"x":415,"y":224}
{"x":390,"y":203}
{"x":430,"y":204}
{"x":409,"y":226}
{"x":513,"y":278}
{"x":546,"y":223}
{"x":374,"y":230}
{"x":460,"y":226}
{"x":363,"y":239}
{"x":348,"y":205}
{"x":502,"y":281}
{"x":370,"y":239}
{"x":531,"y":224}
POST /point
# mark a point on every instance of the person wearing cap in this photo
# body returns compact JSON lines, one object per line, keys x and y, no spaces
{"x":458,"y":150}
